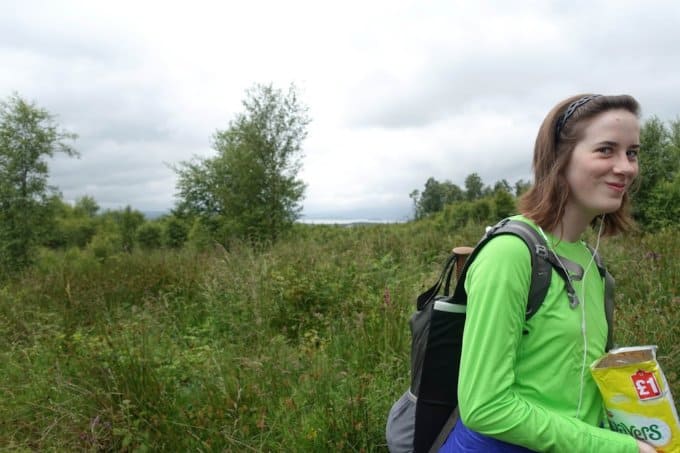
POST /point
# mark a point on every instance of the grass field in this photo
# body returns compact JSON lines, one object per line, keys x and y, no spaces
{"x":302,"y":346}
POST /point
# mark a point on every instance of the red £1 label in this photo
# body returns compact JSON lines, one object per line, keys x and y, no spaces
{"x":646,"y":385}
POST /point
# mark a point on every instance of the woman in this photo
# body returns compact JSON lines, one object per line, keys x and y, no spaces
{"x":526,"y":385}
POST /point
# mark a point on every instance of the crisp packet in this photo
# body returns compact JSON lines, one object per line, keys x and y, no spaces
{"x":637,"y":398}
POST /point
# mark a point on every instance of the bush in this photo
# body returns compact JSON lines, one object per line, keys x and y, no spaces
{"x":149,"y":236}
{"x":74,"y":231}
{"x":200,"y":237}
{"x":504,"y":204}
{"x":104,"y":244}
{"x":176,"y":233}
{"x":663,"y":205}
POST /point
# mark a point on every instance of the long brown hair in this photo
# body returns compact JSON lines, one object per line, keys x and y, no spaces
{"x":545,"y":201}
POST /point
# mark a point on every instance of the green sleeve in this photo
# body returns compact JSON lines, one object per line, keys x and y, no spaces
{"x":489,"y":402}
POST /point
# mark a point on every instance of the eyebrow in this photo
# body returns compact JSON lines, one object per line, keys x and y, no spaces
{"x":613,"y":144}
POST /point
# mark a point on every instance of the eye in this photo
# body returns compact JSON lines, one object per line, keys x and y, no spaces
{"x":632,"y":154}
{"x":606,"y":150}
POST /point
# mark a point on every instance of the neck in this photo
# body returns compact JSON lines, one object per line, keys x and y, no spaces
{"x":574,"y":222}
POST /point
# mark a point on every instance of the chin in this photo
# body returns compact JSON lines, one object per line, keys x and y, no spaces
{"x":609,"y":208}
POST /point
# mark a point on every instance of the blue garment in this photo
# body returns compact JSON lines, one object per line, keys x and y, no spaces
{"x":463,"y":440}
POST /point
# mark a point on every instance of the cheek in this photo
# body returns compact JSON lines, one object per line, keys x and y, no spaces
{"x":577,"y":178}
{"x":636,"y":169}
{"x":581,"y":182}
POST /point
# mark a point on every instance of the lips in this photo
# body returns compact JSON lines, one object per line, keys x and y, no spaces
{"x":617,"y":187}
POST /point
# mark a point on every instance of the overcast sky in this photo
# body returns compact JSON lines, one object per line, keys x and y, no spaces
{"x":398,"y":91}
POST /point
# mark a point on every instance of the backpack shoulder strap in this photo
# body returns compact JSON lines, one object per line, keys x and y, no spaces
{"x":541,"y":267}
{"x":444,"y":279}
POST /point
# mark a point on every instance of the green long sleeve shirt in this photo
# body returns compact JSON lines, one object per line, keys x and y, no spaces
{"x":521,"y":381}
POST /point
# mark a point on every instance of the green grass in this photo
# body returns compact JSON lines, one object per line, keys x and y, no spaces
{"x":302,"y":346}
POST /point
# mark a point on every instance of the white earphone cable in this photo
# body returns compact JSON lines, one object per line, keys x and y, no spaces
{"x":584,"y":335}
{"x":584,"y":365}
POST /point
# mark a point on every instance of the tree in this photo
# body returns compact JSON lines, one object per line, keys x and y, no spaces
{"x":251,"y":186}
{"x":655,"y":164}
{"x":86,"y":206}
{"x":659,"y":162}
{"x":675,"y":137}
{"x":452,"y":192}
{"x":502,"y":185}
{"x":415,"y":197}
{"x":121,"y":224}
{"x":72,"y":226}
{"x":473,"y":186}
{"x":28,"y":136}
{"x":432,"y":198}
{"x":663,"y":207}
{"x":129,"y":220}
{"x":521,"y":186}
{"x":435,"y":196}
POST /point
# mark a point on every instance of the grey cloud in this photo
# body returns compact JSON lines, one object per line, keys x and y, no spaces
{"x":49,"y":30}
{"x":611,"y":50}
{"x":104,"y":85}
{"x":118,"y":174}
{"x":92,"y":75}
{"x":105,"y":173}
{"x":55,"y":45}
{"x":94,"y":79}
{"x":99,"y":107}
{"x":140,"y":192}
{"x":451,"y":87}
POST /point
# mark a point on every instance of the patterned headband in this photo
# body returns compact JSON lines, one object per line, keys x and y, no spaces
{"x":570,"y":111}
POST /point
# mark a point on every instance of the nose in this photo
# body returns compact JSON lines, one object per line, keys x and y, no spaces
{"x":624,"y":166}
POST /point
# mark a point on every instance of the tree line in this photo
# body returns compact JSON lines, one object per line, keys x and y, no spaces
{"x":249,"y":190}
{"x":655,"y":194}
{"x":436,"y":195}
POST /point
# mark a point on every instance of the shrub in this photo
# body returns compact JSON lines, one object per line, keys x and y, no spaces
{"x":149,"y":236}
{"x":176,"y":233}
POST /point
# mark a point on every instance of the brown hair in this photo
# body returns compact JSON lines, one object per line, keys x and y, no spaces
{"x":545,"y":201}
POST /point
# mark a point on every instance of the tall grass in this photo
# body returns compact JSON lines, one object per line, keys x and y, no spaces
{"x":302,"y":346}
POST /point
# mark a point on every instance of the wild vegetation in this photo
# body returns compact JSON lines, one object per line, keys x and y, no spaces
{"x":250,"y":189}
{"x":300,"y":346}
{"x":207,"y":330}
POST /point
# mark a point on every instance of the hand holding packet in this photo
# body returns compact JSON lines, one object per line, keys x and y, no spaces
{"x":637,"y":397}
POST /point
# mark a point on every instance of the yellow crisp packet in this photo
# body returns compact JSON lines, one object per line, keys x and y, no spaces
{"x":637,"y":397}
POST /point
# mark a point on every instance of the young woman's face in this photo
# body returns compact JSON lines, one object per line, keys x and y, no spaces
{"x":604,"y":163}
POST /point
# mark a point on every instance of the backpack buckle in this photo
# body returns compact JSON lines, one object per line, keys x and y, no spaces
{"x":573,"y":299}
